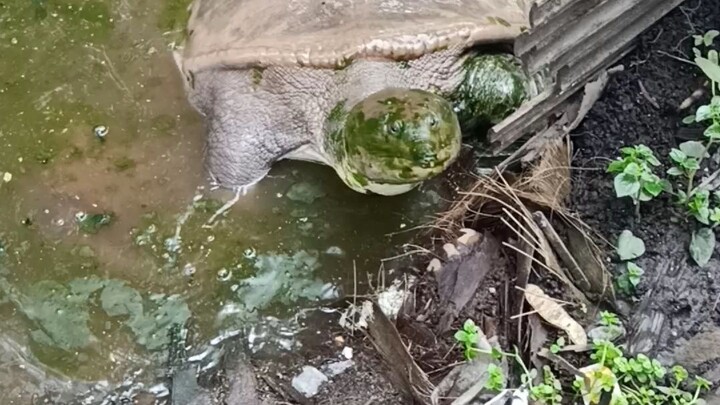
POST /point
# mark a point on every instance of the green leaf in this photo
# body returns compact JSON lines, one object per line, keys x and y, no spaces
{"x":703,"y":113}
{"x":698,"y":39}
{"x":694,"y":149}
{"x":674,"y":171}
{"x":711,"y":70}
{"x":629,"y":246}
{"x":702,"y":215}
{"x":677,"y":155}
{"x":617,"y":166}
{"x":654,"y":189}
{"x":626,"y":185}
{"x":697,"y":53}
{"x":713,"y":131}
{"x":688,"y":119}
{"x":702,"y":246}
{"x":713,"y":56}
{"x":633,"y":169}
{"x":709,"y":37}
{"x":691,"y":164}
{"x":715,"y":215}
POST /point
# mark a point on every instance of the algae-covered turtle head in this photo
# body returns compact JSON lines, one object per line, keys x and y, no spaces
{"x":396,"y":138}
{"x":377,"y":90}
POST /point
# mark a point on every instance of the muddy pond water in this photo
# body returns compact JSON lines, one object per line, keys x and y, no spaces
{"x":105,"y":246}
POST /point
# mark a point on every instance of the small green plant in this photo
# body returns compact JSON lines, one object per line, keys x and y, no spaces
{"x":609,"y":319}
{"x":550,"y":391}
{"x":634,"y":176}
{"x":496,"y":378}
{"x":628,"y":281}
{"x":559,"y":344}
{"x":629,"y":247}
{"x":642,"y":379}
{"x":468,"y":337}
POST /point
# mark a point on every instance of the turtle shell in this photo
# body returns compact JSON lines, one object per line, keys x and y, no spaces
{"x":331,"y":33}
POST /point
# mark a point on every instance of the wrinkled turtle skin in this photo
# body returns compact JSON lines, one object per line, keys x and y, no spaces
{"x":378,"y":90}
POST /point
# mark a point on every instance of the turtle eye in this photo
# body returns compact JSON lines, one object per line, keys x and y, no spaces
{"x":434,"y":122}
{"x":395,"y":127}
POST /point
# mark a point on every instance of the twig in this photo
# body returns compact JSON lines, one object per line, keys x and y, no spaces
{"x":677,"y":58}
{"x":647,"y":95}
{"x":562,"y":251}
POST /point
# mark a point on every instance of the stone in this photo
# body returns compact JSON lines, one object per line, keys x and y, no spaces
{"x":309,"y":381}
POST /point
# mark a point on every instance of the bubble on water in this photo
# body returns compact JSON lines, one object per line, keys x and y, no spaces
{"x":189,"y":270}
{"x":224,"y":274}
{"x":250,"y":253}
{"x":100,"y":131}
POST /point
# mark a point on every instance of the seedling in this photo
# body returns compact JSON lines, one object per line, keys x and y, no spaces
{"x":609,"y":319}
{"x":629,"y":280}
{"x":634,"y":175}
{"x":559,"y":344}
{"x":641,"y":378}
{"x":549,"y":392}
{"x":468,"y":337}
{"x":496,"y":378}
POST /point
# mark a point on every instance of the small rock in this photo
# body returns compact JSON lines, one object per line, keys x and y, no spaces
{"x":434,"y":265}
{"x":309,"y":381}
{"x":334,"y":250}
{"x":339,"y":367}
{"x":347,"y":352}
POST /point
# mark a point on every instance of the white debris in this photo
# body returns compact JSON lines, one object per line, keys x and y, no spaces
{"x":392,"y":298}
{"x":347,"y":352}
{"x":7,"y":177}
{"x":337,"y":368}
{"x":309,"y":381}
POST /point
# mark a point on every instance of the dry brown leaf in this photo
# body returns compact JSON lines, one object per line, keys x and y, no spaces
{"x":554,"y":314}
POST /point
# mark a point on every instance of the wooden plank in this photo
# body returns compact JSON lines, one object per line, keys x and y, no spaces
{"x":543,"y":31}
{"x":592,"y":44}
{"x":606,"y":19}
{"x":573,"y":72}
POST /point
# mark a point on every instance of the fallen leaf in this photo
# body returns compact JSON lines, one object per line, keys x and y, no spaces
{"x":554,"y":314}
{"x":702,"y":246}
{"x":629,"y":246}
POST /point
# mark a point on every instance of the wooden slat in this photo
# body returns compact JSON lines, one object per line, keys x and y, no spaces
{"x":543,"y":31}
{"x":574,"y":54}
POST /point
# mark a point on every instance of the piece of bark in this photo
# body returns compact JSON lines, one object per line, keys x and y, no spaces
{"x":406,"y":375}
{"x":459,"y":277}
{"x":576,"y":273}
{"x":243,"y":385}
{"x":593,"y":268}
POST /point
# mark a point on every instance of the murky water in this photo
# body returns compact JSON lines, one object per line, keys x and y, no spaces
{"x":97,"y":303}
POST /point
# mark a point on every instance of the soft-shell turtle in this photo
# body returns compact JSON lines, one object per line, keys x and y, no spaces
{"x":377,"y":89}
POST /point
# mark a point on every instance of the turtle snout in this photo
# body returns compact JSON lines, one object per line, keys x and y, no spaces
{"x":429,"y":160}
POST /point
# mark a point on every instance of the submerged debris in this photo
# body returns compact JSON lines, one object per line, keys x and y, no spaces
{"x":91,"y":223}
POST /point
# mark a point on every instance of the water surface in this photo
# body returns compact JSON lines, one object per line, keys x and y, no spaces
{"x":105,"y":247}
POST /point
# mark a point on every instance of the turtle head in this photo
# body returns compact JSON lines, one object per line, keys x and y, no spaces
{"x":396,"y":138}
